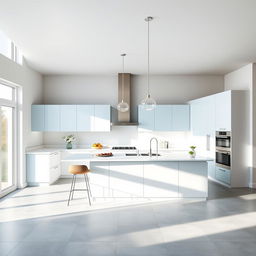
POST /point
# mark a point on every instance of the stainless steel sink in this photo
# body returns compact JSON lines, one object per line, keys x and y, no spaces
{"x":147,"y":154}
{"x":143,"y":154}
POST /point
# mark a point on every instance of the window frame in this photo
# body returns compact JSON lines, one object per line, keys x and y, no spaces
{"x":14,"y":51}
{"x":17,"y":133}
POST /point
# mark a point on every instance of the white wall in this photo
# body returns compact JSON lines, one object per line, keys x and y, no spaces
{"x":31,"y":83}
{"x":174,"y":88}
{"x":70,"y":89}
{"x":244,"y":79}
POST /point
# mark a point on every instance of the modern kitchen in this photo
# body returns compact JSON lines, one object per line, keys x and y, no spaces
{"x":116,"y":146}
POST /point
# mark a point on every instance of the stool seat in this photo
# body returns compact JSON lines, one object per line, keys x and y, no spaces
{"x":78,"y":169}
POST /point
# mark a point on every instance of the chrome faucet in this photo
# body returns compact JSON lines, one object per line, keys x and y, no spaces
{"x":150,"y":149}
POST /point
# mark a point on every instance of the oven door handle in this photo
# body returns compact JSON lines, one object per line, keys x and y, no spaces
{"x":224,"y":152}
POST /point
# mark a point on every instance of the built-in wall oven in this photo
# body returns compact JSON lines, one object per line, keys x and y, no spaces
{"x":223,"y":149}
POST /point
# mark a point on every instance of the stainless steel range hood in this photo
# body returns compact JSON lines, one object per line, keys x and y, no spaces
{"x":124,"y":118}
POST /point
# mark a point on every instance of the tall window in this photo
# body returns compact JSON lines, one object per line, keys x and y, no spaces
{"x":8,"y":138}
{"x":9,"y":49}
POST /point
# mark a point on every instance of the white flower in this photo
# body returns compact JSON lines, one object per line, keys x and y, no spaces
{"x":69,"y":138}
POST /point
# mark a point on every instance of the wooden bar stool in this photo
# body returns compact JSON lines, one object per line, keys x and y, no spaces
{"x":77,"y":170}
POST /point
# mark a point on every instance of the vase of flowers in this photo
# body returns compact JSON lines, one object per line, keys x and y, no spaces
{"x":192,"y":151}
{"x":69,"y":139}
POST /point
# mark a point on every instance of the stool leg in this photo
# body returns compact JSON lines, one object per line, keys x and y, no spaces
{"x":71,"y":189}
{"x":89,"y":185}
{"x":74,"y":187}
{"x":87,"y":189}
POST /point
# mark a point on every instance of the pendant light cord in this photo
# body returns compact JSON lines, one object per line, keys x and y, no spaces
{"x":123,"y":80}
{"x":148,"y":59}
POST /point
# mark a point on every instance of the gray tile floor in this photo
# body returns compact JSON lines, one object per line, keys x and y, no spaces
{"x":36,"y":221}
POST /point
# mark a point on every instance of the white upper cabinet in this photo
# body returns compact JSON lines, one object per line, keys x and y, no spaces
{"x":223,"y":111}
{"x":203,"y":116}
{"x":102,"y":118}
{"x":163,"y":118}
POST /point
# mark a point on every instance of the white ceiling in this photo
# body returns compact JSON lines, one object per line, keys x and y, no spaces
{"x":88,"y":36}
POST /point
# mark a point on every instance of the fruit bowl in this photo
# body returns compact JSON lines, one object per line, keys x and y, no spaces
{"x":104,"y":154}
{"x":97,"y":146}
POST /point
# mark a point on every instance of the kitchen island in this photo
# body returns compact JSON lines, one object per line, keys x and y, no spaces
{"x":166,"y":176}
{"x":173,"y":175}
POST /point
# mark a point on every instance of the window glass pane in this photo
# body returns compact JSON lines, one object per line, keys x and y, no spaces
{"x":6,"y":152}
{"x":5,"y":45}
{"x":19,"y":56}
{"x":6,"y":92}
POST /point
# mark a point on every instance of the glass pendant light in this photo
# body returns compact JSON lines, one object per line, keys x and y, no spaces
{"x":123,"y":106}
{"x":148,"y":103}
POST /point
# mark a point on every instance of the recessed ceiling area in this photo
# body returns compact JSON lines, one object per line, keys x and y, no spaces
{"x":87,"y":37}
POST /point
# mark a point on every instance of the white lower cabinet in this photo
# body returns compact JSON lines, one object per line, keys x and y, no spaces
{"x":42,"y":169}
{"x":193,"y":180}
{"x":99,"y":179}
{"x":126,"y":179}
{"x":161,"y":179}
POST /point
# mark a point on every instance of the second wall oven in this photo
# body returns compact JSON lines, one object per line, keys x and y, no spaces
{"x":223,"y":149}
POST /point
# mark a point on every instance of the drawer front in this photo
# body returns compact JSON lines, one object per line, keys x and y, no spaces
{"x":54,"y":159}
{"x":222,"y":175}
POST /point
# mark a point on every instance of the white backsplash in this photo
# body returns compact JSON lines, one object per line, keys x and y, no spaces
{"x":122,"y":135}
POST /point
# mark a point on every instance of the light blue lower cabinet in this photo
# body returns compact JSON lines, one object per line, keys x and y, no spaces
{"x":99,"y":179}
{"x":161,"y":179}
{"x":193,"y":179}
{"x":126,"y":179}
{"x":211,"y":169}
{"x":222,"y":175}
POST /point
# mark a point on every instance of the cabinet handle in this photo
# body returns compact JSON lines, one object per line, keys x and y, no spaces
{"x":222,"y":170}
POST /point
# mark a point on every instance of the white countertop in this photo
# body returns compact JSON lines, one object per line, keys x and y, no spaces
{"x":89,"y":155}
{"x":123,"y":158}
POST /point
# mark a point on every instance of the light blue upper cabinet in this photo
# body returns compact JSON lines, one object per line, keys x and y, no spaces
{"x":68,"y":118}
{"x":146,"y":119}
{"x":102,"y":118}
{"x":180,"y":118}
{"x":84,"y":118}
{"x":223,"y":111}
{"x":163,"y":119}
{"x":52,"y":118}
{"x":37,"y":118}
